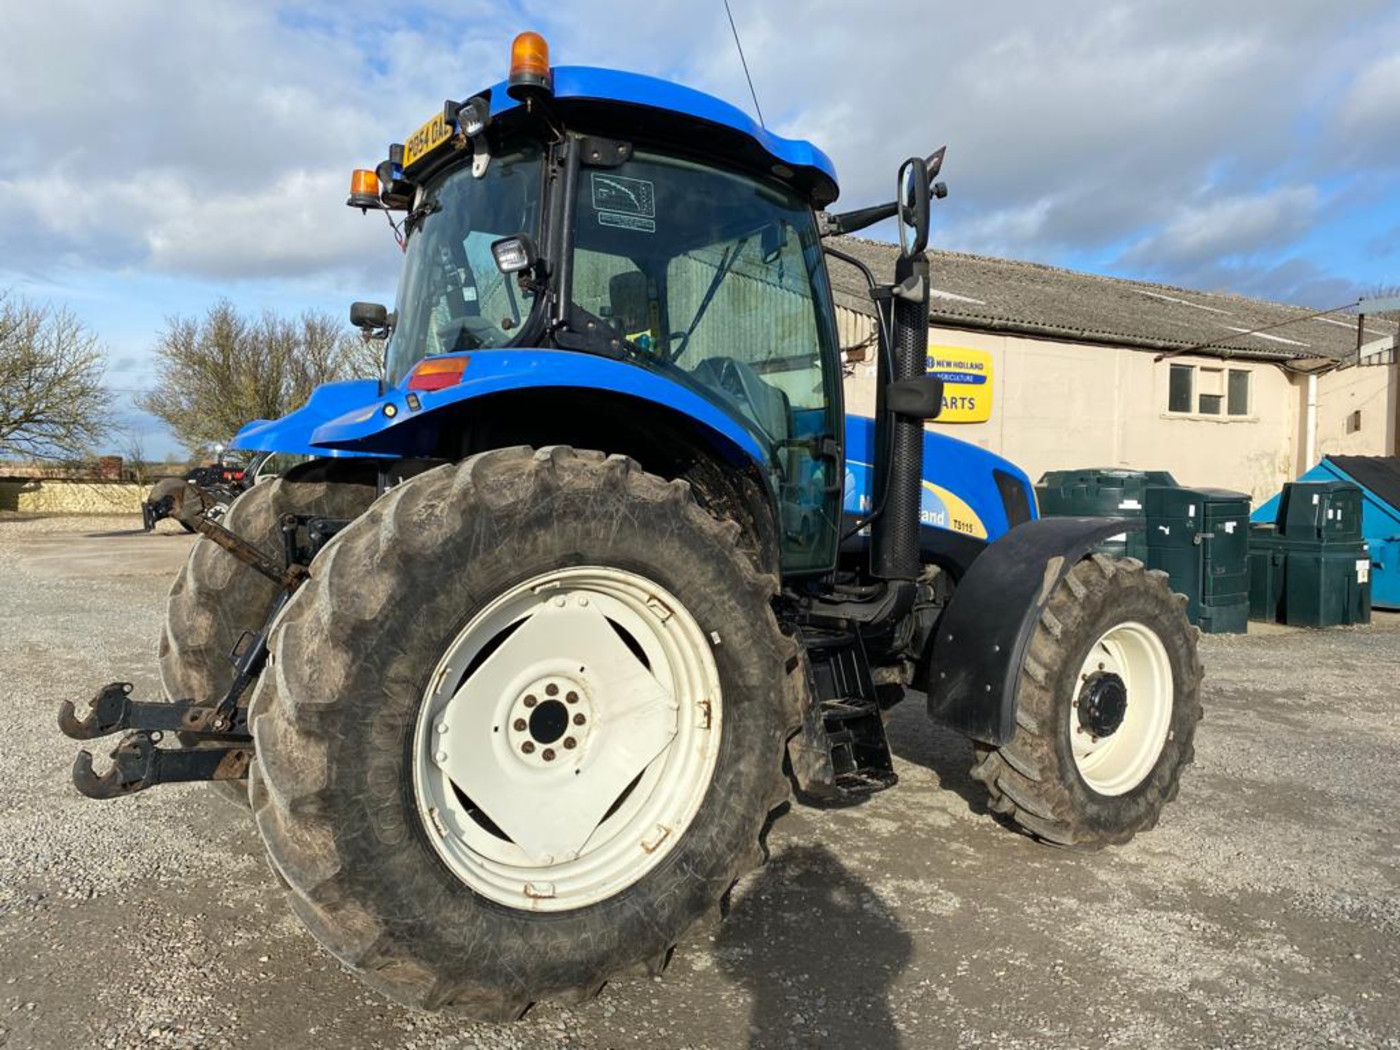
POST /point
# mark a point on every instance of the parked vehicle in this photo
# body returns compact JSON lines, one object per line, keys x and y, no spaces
{"x":532,"y":652}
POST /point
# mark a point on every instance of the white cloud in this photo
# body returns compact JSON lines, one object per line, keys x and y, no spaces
{"x":1224,"y":227}
{"x":214,"y":139}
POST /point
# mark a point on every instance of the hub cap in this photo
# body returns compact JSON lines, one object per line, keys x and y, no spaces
{"x":1123,"y":709}
{"x":567,"y":739}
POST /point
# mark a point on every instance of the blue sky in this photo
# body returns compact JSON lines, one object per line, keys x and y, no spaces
{"x":160,"y":155}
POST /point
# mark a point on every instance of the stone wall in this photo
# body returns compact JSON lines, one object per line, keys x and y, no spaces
{"x":62,"y":496}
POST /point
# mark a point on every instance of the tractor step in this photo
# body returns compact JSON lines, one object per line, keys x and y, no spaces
{"x":841,"y":752}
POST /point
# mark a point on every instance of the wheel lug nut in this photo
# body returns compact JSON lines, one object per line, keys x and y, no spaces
{"x":579,"y":719}
{"x":570,"y":743}
{"x":530,"y":701}
{"x":548,"y":755}
{"x":519,"y":725}
{"x":572,"y":697}
{"x":551,"y":689}
{"x":528,"y":747}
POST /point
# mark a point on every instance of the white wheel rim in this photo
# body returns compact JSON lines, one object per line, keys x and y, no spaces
{"x":1116,"y":763}
{"x":574,"y":823}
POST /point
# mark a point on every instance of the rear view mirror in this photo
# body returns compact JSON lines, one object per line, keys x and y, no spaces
{"x":368,"y":316}
{"x":912,"y":204}
{"x":917,"y":398}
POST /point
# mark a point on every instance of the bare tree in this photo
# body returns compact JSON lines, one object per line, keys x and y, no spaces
{"x":52,"y":402}
{"x":134,"y":457}
{"x":1385,"y":291}
{"x":224,"y":369}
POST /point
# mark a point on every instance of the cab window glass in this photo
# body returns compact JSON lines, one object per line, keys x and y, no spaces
{"x":716,"y":279}
{"x":451,"y":295}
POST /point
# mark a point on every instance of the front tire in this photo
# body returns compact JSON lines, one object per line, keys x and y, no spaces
{"x":1107,"y":710}
{"x":403,"y":789}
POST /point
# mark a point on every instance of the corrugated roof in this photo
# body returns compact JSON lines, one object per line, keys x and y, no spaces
{"x":1003,"y":295}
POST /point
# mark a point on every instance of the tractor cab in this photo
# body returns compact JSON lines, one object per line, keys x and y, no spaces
{"x":695,"y":257}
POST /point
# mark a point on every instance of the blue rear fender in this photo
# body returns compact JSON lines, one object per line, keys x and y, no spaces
{"x":359,"y":419}
{"x":292,"y":433}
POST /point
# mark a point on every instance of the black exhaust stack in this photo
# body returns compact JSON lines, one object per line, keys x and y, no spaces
{"x":900,"y":436}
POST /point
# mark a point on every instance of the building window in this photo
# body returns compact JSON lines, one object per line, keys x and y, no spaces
{"x":1179,"y":394}
{"x":1239,"y":392}
{"x":1206,"y":391}
{"x":1211,"y":391}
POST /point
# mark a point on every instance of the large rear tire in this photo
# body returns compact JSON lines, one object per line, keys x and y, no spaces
{"x":216,"y":597}
{"x":179,"y":492}
{"x":436,"y":839}
{"x":1108,"y":706}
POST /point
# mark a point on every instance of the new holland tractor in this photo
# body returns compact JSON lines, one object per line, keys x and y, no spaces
{"x":516,"y":671}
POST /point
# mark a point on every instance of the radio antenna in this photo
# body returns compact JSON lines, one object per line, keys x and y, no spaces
{"x":745,"y":63}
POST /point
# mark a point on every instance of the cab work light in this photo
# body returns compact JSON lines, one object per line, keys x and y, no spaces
{"x":514,"y":254}
{"x":437,"y":373}
{"x":529,"y":66}
{"x":364,"y":189}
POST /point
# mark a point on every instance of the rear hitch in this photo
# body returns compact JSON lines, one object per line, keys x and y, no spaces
{"x":113,"y":710}
{"x":138,"y":764}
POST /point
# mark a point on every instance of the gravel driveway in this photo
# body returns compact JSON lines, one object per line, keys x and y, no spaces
{"x":1264,"y":912}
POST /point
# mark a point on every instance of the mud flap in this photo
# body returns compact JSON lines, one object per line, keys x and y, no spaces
{"x":973,"y":665}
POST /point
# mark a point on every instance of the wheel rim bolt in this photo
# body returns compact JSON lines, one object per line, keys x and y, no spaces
{"x":551,"y":689}
{"x":441,"y":756}
{"x":520,"y":725}
{"x":570,"y":743}
{"x":528,"y":747}
{"x":572,"y":697}
{"x":548,"y":754}
{"x":530,"y":701}
{"x":579,"y":719}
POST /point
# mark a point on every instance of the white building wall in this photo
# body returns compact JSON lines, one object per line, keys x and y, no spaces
{"x":1063,"y":405}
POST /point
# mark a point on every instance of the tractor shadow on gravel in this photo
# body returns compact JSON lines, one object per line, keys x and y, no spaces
{"x":944,"y":752}
{"x":818,"y":951}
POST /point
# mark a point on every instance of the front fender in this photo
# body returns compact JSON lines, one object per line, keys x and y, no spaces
{"x":390,"y":425}
{"x":974,"y":669}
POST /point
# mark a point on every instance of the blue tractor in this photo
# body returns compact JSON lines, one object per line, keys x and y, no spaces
{"x":517,"y":669}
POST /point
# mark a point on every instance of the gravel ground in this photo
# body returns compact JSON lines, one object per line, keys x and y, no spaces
{"x":1264,"y":912}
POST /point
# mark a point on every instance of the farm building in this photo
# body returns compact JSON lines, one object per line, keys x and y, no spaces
{"x":1077,"y":378}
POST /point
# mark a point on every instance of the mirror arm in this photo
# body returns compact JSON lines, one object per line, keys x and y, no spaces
{"x":851,"y":221}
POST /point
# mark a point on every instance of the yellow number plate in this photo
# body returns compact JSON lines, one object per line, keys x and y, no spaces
{"x":426,"y":139}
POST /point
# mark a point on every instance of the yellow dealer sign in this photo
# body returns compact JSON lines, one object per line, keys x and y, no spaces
{"x":967,"y":383}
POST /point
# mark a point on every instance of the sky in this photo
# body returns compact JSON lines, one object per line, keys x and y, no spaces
{"x":157,"y":155}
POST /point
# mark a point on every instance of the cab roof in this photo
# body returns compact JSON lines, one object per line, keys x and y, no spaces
{"x":621,"y":103}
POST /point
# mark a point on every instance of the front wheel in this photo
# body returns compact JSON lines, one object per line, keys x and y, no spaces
{"x":524,"y":726}
{"x":1107,"y":710}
